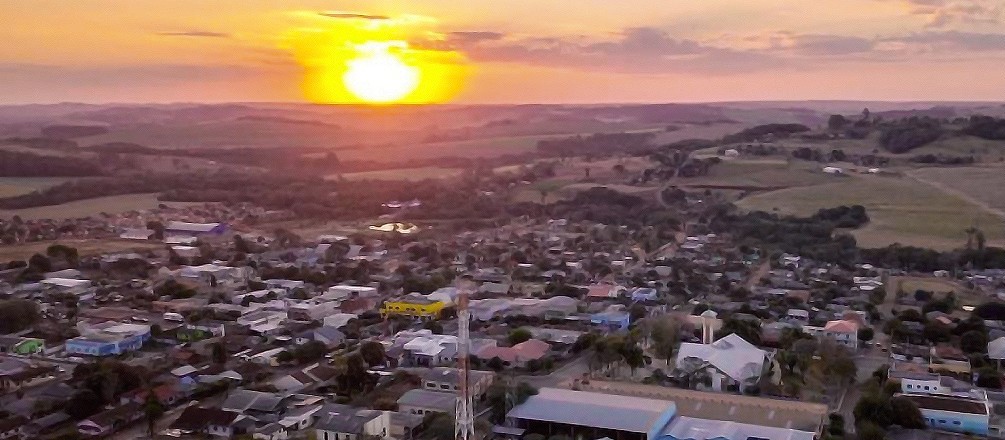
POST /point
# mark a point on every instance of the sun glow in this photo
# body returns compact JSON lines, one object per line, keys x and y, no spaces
{"x":379,"y":76}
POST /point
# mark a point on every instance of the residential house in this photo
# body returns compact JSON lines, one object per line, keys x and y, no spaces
{"x":948,"y":404}
{"x":343,"y":422}
{"x":644,"y":294}
{"x":730,"y":361}
{"x":12,"y":427}
{"x":211,"y":421}
{"x":844,"y":332}
{"x":614,"y":318}
{"x":604,"y":291}
{"x":446,"y":379}
{"x":330,"y":336}
{"x":516,"y":356}
{"x":314,"y":310}
{"x":422,"y":402}
{"x":430,"y":350}
{"x":108,"y":421}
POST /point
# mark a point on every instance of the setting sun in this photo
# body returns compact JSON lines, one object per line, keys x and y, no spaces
{"x":379,"y":76}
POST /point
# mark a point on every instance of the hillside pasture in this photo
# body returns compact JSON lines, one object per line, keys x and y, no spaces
{"x":91,"y":207}
{"x":901,"y":210}
{"x":411,"y":174}
{"x":16,"y":186}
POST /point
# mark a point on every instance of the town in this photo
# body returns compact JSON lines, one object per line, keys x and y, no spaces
{"x":538,"y":327}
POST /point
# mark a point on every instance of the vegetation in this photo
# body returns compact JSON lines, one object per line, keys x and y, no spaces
{"x":17,"y":315}
{"x":760,"y":132}
{"x":18,"y":164}
{"x":911,"y":133}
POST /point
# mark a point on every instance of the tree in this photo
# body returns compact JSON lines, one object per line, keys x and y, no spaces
{"x":433,"y":326}
{"x":83,"y":404}
{"x":906,"y":413}
{"x":519,"y":335}
{"x":836,"y":122}
{"x":496,"y":364}
{"x":158,"y":229}
{"x":39,"y":263}
{"x":874,"y":408}
{"x":373,"y":353}
{"x":17,"y":315}
{"x":974,"y":341}
{"x":284,"y":357}
{"x":152,"y":410}
{"x":870,"y":431}
{"x":219,"y":353}
{"x":865,"y":334}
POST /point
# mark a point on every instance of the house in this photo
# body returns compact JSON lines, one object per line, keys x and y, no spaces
{"x":12,"y":427}
{"x":256,"y":404}
{"x":844,"y":332}
{"x":592,"y":415}
{"x":343,"y":422}
{"x":604,"y":291}
{"x":416,"y":306}
{"x":446,"y":379}
{"x":330,"y":336}
{"x":729,"y":361}
{"x":212,"y":421}
{"x":186,"y":229}
{"x":422,"y":402}
{"x":644,"y":294}
{"x":517,"y":355}
{"x":947,"y":404}
{"x":430,"y":350}
{"x":339,"y":320}
{"x":108,"y":421}
{"x":614,"y":318}
{"x":268,"y":357}
{"x":314,"y":310}
{"x":67,"y":285}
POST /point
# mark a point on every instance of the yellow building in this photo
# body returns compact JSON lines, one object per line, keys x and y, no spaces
{"x":415,"y":306}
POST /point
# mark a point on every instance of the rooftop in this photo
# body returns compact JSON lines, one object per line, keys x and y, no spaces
{"x":940,"y":403}
{"x":704,"y":429}
{"x":582,"y":408}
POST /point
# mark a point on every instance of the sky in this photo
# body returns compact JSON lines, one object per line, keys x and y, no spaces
{"x":504,"y":51}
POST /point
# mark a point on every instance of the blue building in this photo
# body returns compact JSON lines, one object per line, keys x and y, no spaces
{"x":109,"y":339}
{"x":947,"y":404}
{"x":644,"y":294}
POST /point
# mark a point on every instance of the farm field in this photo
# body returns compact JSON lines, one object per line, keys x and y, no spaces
{"x":984,"y":184}
{"x":84,"y":247}
{"x":89,"y":207}
{"x":901,"y":211}
{"x":761,"y":173}
{"x":15,"y":186}
{"x":401,"y":174}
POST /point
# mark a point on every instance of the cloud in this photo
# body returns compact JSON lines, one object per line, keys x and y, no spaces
{"x":475,"y":36}
{"x":945,"y":13}
{"x":825,"y":45}
{"x":954,"y":41}
{"x":194,"y":33}
{"x":352,"y":15}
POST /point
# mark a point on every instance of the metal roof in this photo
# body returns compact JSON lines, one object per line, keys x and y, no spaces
{"x":582,"y":408}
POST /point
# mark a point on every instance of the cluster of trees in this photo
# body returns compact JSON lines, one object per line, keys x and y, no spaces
{"x":599,"y":144}
{"x":101,"y":383}
{"x":940,"y":159}
{"x":72,"y":131}
{"x":303,"y":354}
{"x":910,"y":133}
{"x":985,"y":127}
{"x":611,"y":351}
{"x":17,"y":315}
{"x":928,"y":260}
{"x":759,"y":132}
{"x":602,"y":205}
{"x":809,"y":237}
{"x":174,"y":289}
{"x":20,"y":164}
{"x":843,"y":216}
{"x":878,"y":409}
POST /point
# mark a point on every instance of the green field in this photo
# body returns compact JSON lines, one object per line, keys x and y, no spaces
{"x":986,"y":185}
{"x":761,"y":173}
{"x":901,"y":210}
{"x":401,"y":174}
{"x":15,"y":186}
{"x":89,"y":207}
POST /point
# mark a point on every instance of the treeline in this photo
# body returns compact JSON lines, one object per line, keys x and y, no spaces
{"x":940,"y":159}
{"x":599,"y":144}
{"x":928,"y":260}
{"x":759,"y":132}
{"x":907,"y":134}
{"x":72,"y":131}
{"x":985,"y":127}
{"x":18,"y":164}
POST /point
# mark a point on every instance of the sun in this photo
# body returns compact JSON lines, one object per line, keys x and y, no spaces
{"x":379,"y":76}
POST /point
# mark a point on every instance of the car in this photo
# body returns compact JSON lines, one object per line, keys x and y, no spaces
{"x":139,"y":319}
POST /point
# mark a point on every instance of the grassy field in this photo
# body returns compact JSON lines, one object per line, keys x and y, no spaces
{"x":761,"y":173}
{"x":15,"y":186}
{"x":985,"y":184}
{"x":401,"y":174}
{"x":84,"y":247}
{"x":89,"y":207}
{"x":902,"y":210}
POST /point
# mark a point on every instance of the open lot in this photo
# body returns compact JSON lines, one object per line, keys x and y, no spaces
{"x":901,"y":210}
{"x":15,"y":186}
{"x":84,"y":247}
{"x":89,"y":207}
{"x":401,"y":174}
{"x":769,"y":173}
